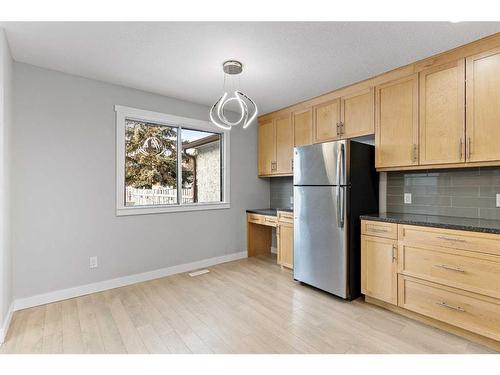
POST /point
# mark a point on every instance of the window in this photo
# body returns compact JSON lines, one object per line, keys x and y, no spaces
{"x":167,"y":163}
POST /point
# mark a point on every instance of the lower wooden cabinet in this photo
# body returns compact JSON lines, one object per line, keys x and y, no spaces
{"x":470,"y":311}
{"x":284,"y":235}
{"x":379,"y":278}
{"x":453,"y":267}
{"x":449,"y":277}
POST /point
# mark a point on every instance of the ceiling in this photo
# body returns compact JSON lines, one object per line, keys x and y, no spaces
{"x":284,"y":62}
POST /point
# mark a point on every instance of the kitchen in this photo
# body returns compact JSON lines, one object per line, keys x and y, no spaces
{"x":421,"y":236}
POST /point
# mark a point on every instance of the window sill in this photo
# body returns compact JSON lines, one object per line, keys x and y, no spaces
{"x":148,"y":210}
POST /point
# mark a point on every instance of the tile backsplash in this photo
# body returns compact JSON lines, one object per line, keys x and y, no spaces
{"x":467,"y":192}
{"x":281,"y":192}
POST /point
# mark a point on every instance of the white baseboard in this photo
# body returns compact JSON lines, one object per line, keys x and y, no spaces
{"x":5,"y":326}
{"x":62,"y":294}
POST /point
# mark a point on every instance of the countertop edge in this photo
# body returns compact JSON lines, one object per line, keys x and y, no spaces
{"x":468,"y":228}
{"x":268,"y":211}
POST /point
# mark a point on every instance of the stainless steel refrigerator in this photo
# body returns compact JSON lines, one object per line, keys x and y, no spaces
{"x":334,"y":183}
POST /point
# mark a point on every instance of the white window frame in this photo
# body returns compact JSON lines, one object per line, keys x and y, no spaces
{"x":123,"y":113}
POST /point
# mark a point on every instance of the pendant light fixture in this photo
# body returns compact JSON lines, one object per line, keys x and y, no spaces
{"x":246,"y":106}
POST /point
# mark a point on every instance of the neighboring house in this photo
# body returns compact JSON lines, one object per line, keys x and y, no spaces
{"x":205,"y":156}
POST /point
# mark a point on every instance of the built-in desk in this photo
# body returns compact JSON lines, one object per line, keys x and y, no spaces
{"x":259,"y":234}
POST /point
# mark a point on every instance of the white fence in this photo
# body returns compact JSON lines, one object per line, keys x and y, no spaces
{"x":156,"y":196}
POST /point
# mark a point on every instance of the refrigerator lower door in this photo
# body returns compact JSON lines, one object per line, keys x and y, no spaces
{"x":320,"y":237}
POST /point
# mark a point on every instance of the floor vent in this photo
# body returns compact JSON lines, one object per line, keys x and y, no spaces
{"x":198,"y":273}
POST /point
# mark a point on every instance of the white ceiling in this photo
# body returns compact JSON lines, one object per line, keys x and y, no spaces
{"x":284,"y":62}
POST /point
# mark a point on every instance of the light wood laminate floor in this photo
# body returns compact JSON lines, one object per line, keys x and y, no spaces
{"x":246,"y":306}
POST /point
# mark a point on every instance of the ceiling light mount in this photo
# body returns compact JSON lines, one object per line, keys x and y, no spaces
{"x":246,"y":106}
{"x":232,"y":67}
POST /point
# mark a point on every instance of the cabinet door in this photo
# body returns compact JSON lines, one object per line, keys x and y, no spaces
{"x":284,"y":145}
{"x":379,"y":268}
{"x":442,"y":114}
{"x":267,"y":148}
{"x":483,"y":106}
{"x":396,"y":123}
{"x":285,"y":245}
{"x":326,"y":121}
{"x":358,"y":114}
{"x":302,"y":127}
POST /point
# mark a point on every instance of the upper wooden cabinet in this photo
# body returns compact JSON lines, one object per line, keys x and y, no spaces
{"x":326,"y":121}
{"x":442,"y":114}
{"x":346,"y":117}
{"x":302,"y":127}
{"x":267,"y":147}
{"x":276,"y":147}
{"x":396,"y":123}
{"x":358,"y":115}
{"x":483,"y":106}
{"x":284,"y":145}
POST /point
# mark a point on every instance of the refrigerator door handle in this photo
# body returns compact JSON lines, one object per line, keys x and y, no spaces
{"x":340,"y":181}
{"x":339,"y":156}
{"x":337,"y":197}
{"x":340,"y":206}
{"x":341,"y":166}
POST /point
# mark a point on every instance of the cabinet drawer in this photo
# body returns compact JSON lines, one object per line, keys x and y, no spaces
{"x":262,"y":219}
{"x":474,"y":272}
{"x":466,"y":310}
{"x":270,"y":221}
{"x":379,"y":229}
{"x":285,"y":217}
{"x":456,"y":239}
{"x":255,"y":219}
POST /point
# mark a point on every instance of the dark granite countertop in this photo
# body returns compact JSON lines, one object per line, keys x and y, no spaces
{"x":446,"y":222}
{"x":269,"y":211}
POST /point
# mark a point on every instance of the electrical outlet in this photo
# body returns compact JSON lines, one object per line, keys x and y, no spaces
{"x":407,"y":198}
{"x":93,"y":262}
{"x":498,"y":200}
{"x":291,"y":200}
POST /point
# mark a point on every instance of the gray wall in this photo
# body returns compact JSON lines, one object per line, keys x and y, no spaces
{"x":281,"y":190}
{"x":64,"y":188}
{"x":5,"y":162}
{"x":459,"y":192}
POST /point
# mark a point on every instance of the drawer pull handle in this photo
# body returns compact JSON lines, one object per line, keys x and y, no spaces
{"x":378,"y":230}
{"x":451,"y":239}
{"x":456,"y":308}
{"x":450,"y":268}
{"x":394,"y":253}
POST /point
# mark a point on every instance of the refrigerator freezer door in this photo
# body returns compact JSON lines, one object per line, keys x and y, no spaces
{"x":320,"y":237}
{"x":319,"y":164}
